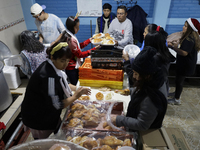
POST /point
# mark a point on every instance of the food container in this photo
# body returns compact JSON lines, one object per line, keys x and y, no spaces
{"x":107,"y":59}
{"x":5,"y":95}
{"x":132,"y":50}
{"x":12,"y":76}
{"x":93,"y":140}
{"x":91,"y":115}
{"x":87,"y":72}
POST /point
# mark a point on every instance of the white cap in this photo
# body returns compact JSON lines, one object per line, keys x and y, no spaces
{"x":37,"y":9}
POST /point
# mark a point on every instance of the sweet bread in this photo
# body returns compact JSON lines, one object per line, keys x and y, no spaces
{"x":84,"y":98}
{"x":97,"y":40}
{"x":90,"y":143}
{"x":127,"y":142}
{"x":107,"y":34}
{"x":109,"y":38}
{"x":110,"y":42}
{"x":99,"y":96}
{"x":111,"y":141}
{"x":79,"y":113}
{"x":105,"y":147}
{"x":97,"y":35}
{"x":75,"y":122}
{"x":77,"y":106}
{"x":108,"y":96}
{"x":104,"y":89}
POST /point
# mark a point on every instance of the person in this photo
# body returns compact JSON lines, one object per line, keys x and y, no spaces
{"x":33,"y":53}
{"x":121,"y":28}
{"x":103,"y":22}
{"x":152,"y":28}
{"x":48,"y":92}
{"x":72,"y":24}
{"x":49,"y":26}
{"x":148,"y":105}
{"x":186,"y":57}
{"x":163,"y":57}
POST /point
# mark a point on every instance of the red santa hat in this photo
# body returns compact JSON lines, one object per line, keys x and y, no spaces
{"x":193,"y":23}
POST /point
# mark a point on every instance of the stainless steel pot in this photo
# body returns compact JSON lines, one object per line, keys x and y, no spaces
{"x":5,"y":95}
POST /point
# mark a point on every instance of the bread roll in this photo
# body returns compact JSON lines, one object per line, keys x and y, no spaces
{"x":99,"y":96}
{"x":60,"y":147}
{"x":97,"y":40}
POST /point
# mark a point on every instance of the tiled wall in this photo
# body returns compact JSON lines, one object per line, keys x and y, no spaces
{"x":11,"y":24}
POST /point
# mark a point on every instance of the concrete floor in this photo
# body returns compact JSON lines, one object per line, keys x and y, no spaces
{"x":185,"y":116}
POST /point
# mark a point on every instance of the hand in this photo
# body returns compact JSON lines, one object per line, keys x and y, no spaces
{"x":53,"y":43}
{"x":125,"y":56}
{"x":98,"y":46}
{"x":82,"y":90}
{"x":116,"y":42}
{"x":113,"y":120}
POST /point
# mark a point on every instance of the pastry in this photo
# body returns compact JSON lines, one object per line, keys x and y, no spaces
{"x":111,"y":141}
{"x":123,"y":92}
{"x":84,"y":98}
{"x":108,"y":96}
{"x":99,"y":96}
{"x":97,"y":40}
{"x":105,"y":147}
{"x":109,"y":38}
{"x":127,"y":142}
{"x":79,"y":113}
{"x":104,"y":89}
{"x":107,"y":34}
{"x":77,"y":106}
{"x":97,"y":35}
{"x":90,"y":143}
{"x":69,"y":138}
{"x":75,"y":122}
{"x":110,"y":42}
{"x":76,"y":139}
{"x":60,"y":147}
{"x":83,"y":139}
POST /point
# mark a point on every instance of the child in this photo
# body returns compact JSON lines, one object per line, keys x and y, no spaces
{"x":48,"y":93}
{"x":103,"y":22}
{"x":72,"y":24}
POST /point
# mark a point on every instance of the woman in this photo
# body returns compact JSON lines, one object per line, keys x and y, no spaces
{"x":186,"y":57}
{"x":72,"y":25}
{"x":152,"y":28}
{"x":163,"y":56}
{"x":48,"y":93}
{"x":148,"y":105}
{"x":33,"y":53}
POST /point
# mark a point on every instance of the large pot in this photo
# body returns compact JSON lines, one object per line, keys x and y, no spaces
{"x":5,"y":95}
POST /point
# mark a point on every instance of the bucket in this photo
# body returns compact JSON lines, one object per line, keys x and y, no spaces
{"x":5,"y":95}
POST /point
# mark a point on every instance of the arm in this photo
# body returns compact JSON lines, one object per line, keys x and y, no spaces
{"x":76,"y":51}
{"x":80,"y":91}
{"x":72,"y":87}
{"x":128,"y":69}
{"x":145,"y":118}
{"x":41,"y":38}
{"x":176,"y":49}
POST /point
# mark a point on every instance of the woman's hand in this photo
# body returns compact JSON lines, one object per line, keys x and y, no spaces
{"x":116,"y":42}
{"x":98,"y":46}
{"x":82,"y":90}
{"x":125,"y":56}
{"x":113,"y":120}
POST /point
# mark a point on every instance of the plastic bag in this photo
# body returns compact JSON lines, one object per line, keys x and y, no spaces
{"x":108,"y":117}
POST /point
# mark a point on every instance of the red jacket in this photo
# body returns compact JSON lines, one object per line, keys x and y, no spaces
{"x":77,"y":53}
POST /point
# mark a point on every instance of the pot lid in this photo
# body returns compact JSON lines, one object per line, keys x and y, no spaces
{"x":4,"y":51}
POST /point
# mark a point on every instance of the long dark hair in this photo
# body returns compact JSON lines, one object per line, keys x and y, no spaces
{"x":64,"y":51}
{"x":152,"y":28}
{"x":156,"y":40}
{"x":71,"y":23}
{"x":195,"y":35}
{"x":30,"y":42}
{"x":65,"y":37}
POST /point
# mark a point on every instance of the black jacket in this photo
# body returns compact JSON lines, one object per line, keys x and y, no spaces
{"x":138,"y":18}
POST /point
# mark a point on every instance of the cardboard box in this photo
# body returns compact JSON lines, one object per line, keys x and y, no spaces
{"x":162,"y":139}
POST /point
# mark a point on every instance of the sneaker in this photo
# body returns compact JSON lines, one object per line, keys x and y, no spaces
{"x":174,"y":101}
{"x":171,"y":94}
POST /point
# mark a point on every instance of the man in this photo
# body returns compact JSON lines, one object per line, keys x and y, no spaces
{"x":49,"y":26}
{"x":121,"y":28}
{"x":103,"y":22}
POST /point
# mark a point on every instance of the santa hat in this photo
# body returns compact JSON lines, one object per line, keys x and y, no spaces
{"x":193,"y":23}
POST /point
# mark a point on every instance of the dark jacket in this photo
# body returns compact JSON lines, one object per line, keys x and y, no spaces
{"x":42,"y":104}
{"x":138,"y":18}
{"x":101,"y":22}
